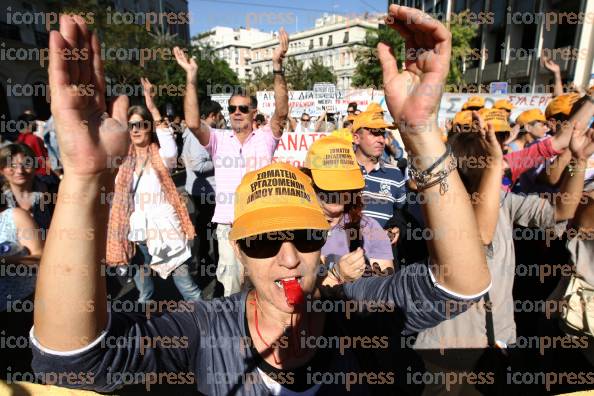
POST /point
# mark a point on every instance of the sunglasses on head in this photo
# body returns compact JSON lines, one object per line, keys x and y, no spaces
{"x":243,"y":108}
{"x":139,"y":124}
{"x":268,"y":245}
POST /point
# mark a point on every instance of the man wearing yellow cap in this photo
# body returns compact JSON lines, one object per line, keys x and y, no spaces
{"x":474,"y":103}
{"x":385,"y":190}
{"x":532,"y":127}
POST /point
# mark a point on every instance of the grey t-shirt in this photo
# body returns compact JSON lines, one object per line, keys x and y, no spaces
{"x":200,"y":180}
{"x":468,"y":329}
{"x":205,"y":344}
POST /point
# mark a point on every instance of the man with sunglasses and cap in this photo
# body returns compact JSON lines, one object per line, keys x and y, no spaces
{"x":236,"y":151}
{"x":258,"y":341}
{"x":385,"y":191}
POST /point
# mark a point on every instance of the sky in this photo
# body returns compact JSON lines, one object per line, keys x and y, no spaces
{"x":270,"y":15}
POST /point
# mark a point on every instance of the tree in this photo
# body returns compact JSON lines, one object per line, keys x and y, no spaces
{"x":463,"y":35}
{"x":297,"y":78}
{"x":295,"y":74}
{"x":153,"y":46}
{"x":369,"y":72}
{"x":317,"y":72}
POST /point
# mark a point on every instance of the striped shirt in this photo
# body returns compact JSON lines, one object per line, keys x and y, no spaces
{"x":384,"y":192}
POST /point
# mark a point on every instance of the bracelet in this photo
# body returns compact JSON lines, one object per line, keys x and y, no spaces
{"x":425,"y":179}
{"x":573,"y":169}
{"x":281,"y":72}
{"x":334,"y":272}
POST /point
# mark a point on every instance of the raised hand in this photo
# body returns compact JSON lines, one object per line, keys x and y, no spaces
{"x":189,"y":65}
{"x":549,"y":64}
{"x":413,"y":95}
{"x":149,"y":93}
{"x":582,"y":142}
{"x":279,"y":53}
{"x":90,"y":141}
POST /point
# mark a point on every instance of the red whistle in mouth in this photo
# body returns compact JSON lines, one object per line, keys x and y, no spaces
{"x":293,"y":291}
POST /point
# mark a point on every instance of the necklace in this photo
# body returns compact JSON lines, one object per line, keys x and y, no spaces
{"x":294,"y":330}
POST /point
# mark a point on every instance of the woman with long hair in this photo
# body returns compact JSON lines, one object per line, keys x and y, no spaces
{"x":147,"y":214}
{"x":24,"y":189}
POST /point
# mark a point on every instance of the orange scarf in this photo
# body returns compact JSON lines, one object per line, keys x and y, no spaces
{"x":119,"y":249}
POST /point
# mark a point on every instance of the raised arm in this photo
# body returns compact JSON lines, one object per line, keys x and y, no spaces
{"x":554,"y":68}
{"x":281,"y":94}
{"x":149,"y":93}
{"x":486,"y":204}
{"x":69,"y":279}
{"x":191,"y":106}
{"x":572,"y":185}
{"x":320,"y":121}
{"x":413,"y":98}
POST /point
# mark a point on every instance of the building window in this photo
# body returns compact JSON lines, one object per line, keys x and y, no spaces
{"x":329,"y":40}
{"x":346,"y":37}
{"x":321,"y":41}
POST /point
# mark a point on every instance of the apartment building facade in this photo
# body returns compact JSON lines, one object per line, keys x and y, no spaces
{"x":517,"y":32}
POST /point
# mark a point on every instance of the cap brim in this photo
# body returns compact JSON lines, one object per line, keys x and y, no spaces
{"x":277,"y":219}
{"x":338,"y":180}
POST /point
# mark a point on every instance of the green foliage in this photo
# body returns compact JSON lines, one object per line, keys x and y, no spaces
{"x":369,"y":72}
{"x":158,"y":62}
{"x":463,"y":35}
{"x":298,"y":78}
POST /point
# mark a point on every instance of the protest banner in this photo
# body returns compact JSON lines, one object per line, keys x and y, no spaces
{"x":293,"y":147}
{"x":325,"y":96}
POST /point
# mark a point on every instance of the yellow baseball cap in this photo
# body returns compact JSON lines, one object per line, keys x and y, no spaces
{"x":275,"y":198}
{"x":374,"y":107}
{"x":344,"y":133}
{"x":463,"y":118}
{"x":368,"y":119}
{"x":529,"y":116}
{"x":562,"y":104}
{"x":474,"y":103}
{"x":497,"y":117}
{"x":333,"y":164}
{"x":503,"y":104}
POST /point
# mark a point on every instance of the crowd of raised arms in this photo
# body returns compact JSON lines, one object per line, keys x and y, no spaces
{"x":393,"y":261}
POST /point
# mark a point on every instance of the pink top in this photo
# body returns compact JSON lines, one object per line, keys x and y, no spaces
{"x":232,"y":161}
{"x":531,"y":157}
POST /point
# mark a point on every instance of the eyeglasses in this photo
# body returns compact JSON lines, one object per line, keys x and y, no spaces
{"x":268,"y":245}
{"x":305,"y":119}
{"x":350,"y":111}
{"x":243,"y":108}
{"x":378,"y":132}
{"x":144,"y":124}
{"x":27,"y":165}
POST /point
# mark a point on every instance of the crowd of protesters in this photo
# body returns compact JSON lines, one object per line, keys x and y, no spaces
{"x":419,"y":221}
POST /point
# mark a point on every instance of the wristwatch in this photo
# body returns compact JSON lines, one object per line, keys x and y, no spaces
{"x":281,"y":71}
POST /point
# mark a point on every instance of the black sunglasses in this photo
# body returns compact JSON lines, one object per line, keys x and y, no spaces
{"x":145,"y":124}
{"x":243,"y":108}
{"x":267,"y":245}
{"x":377,"y":132}
{"x":305,"y":119}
